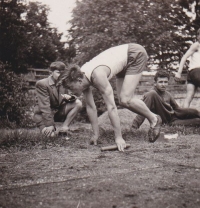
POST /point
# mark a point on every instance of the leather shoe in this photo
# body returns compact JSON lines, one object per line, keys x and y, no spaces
{"x":154,"y":132}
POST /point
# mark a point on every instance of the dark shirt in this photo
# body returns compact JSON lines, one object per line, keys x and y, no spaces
{"x":161,"y":103}
{"x":167,"y":99}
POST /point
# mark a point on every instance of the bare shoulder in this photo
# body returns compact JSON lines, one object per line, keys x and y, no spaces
{"x":100,"y":74}
{"x":100,"y":71}
{"x":195,"y":46}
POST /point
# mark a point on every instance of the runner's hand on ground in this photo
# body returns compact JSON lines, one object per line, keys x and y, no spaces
{"x":121,"y":144}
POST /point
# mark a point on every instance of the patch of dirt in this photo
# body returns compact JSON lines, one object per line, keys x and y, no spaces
{"x":72,"y":173}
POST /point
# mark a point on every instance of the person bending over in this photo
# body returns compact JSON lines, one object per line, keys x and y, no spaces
{"x":53,"y":104}
{"x":193,"y":77}
{"x":161,"y":102}
{"x":126,"y":62}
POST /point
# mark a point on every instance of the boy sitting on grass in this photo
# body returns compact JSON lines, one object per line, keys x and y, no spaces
{"x":161,"y":102}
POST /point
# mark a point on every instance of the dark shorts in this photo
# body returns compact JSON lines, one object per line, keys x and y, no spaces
{"x":60,"y":114}
{"x":193,"y":77}
{"x":137,"y":61}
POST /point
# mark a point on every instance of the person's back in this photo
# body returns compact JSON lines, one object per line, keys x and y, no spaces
{"x":115,"y":58}
{"x":49,"y":85}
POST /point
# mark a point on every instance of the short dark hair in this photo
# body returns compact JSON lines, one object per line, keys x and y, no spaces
{"x":57,"y":65}
{"x":161,"y":73}
{"x":70,"y":74}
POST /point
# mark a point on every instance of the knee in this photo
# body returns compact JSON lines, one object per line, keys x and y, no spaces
{"x":78,"y":104}
{"x":124,"y":101}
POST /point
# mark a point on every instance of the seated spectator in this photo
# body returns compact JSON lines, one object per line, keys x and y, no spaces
{"x":53,"y":104}
{"x":161,"y":102}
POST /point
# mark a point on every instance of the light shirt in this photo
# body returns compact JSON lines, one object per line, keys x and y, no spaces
{"x":195,"y":60}
{"x":114,"y":58}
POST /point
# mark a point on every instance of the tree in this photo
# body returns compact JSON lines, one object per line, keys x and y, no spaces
{"x":159,"y":25}
{"x":14,"y":104}
{"x":12,"y":32}
{"x":43,"y":41}
{"x":192,"y":6}
{"x":27,"y":39}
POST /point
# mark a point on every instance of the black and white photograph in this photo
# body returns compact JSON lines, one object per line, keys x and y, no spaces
{"x":99,"y":103}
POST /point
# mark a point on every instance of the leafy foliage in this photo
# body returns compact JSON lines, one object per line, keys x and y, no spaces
{"x":192,"y":6}
{"x":161,"y":26}
{"x":43,"y":41}
{"x":27,"y":39}
{"x":13,"y":100}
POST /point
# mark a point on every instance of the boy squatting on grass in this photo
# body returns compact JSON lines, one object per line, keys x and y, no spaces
{"x":53,"y":104}
{"x":161,"y":102}
{"x":126,"y":62}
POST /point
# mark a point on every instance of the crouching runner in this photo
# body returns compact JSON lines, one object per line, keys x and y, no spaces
{"x":126,"y":62}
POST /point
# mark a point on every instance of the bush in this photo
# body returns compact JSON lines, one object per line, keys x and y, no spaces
{"x":13,"y":98}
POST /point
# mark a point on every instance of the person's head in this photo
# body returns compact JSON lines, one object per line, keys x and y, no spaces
{"x":161,"y":79}
{"x":198,"y":35}
{"x":73,"y":79}
{"x":56,"y":68}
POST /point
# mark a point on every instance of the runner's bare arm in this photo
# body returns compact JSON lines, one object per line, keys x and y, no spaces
{"x":92,"y":113}
{"x":106,"y":90}
{"x":189,"y":52}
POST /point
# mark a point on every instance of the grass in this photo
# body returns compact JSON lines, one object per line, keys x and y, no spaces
{"x":61,"y":173}
{"x":27,"y":139}
{"x":20,"y":139}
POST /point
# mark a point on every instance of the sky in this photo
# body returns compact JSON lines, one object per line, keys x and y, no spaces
{"x":60,"y":13}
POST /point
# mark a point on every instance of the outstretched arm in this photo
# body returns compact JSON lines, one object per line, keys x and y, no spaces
{"x":92,"y":114}
{"x":189,"y":52}
{"x":103,"y":85}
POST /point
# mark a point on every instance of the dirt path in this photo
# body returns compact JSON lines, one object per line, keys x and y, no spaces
{"x":75,"y":174}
